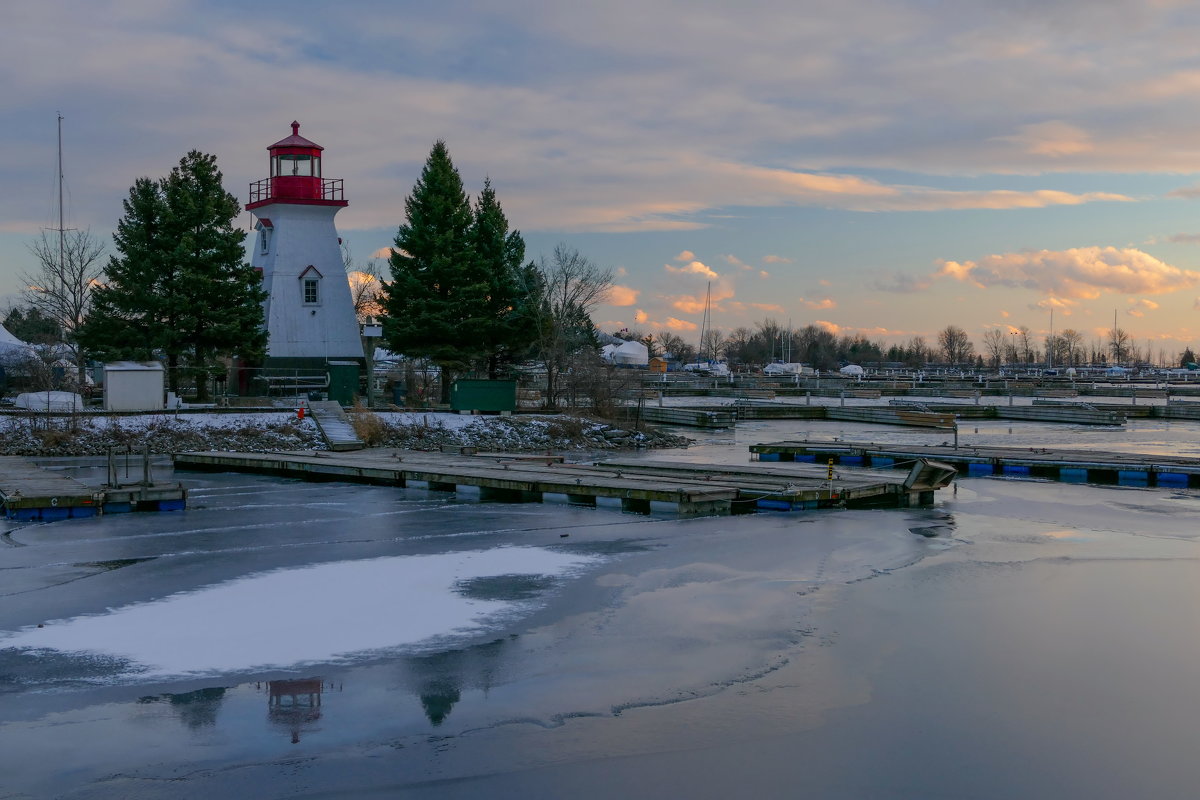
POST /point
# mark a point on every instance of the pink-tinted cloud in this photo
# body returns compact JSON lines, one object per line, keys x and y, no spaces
{"x":622,"y":296}
{"x":832,"y":327}
{"x":1083,"y":272}
{"x":685,"y":255}
{"x":1054,"y":139}
{"x":693,"y":268}
{"x":762,"y":273}
{"x":1139,"y":306}
{"x":734,"y":261}
{"x":773,"y":259}
{"x":823,"y":303}
{"x":383,"y":252}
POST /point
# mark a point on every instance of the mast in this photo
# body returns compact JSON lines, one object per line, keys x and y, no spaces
{"x":61,"y":229}
{"x":704,"y":321}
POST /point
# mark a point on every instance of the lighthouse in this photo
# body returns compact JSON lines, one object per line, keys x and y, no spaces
{"x":309,"y":313}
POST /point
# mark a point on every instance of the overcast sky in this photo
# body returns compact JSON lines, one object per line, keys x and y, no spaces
{"x":878,"y":167}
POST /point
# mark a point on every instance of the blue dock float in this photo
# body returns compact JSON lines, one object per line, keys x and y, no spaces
{"x":975,"y":461}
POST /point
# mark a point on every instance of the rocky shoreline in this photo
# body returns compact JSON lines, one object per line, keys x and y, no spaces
{"x":88,"y":435}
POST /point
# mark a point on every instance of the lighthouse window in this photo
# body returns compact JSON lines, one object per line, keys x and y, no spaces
{"x":293,"y":164}
{"x":312,"y":291}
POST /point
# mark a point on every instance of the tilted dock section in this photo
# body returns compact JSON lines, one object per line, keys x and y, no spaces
{"x":31,"y":492}
{"x":1072,"y":466}
{"x":691,"y":489}
{"x":334,"y":425}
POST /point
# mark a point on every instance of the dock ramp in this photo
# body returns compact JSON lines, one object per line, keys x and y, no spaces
{"x":334,"y":425}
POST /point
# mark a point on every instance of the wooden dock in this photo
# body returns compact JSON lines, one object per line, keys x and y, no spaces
{"x":689,"y":489}
{"x":717,"y":417}
{"x":1071,"y":466}
{"x":31,"y":492}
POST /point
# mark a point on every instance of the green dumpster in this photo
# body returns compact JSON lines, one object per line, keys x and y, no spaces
{"x":343,"y":381}
{"x":471,"y":394}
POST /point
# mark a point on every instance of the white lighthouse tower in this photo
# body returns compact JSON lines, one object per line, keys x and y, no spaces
{"x":309,"y":313}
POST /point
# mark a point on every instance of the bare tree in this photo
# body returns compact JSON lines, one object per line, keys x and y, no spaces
{"x":1072,"y":346}
{"x":571,"y":287}
{"x":956,"y":347}
{"x":675,"y":344}
{"x":69,"y":268}
{"x":1119,"y":344}
{"x":994,"y":341}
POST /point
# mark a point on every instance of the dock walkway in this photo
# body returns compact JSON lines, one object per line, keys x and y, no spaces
{"x":691,"y":489}
{"x":29,"y":491}
{"x":1072,"y":466}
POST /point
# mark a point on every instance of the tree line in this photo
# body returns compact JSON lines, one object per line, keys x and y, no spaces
{"x":460,"y":295}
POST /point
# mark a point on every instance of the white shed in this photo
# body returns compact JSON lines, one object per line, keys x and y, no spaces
{"x":133,"y":386}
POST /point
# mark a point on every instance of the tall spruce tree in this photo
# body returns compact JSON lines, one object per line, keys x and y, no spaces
{"x":434,"y":299}
{"x":180,"y":284}
{"x":509,"y":305}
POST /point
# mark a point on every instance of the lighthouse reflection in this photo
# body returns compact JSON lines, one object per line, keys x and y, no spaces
{"x":295,"y":704}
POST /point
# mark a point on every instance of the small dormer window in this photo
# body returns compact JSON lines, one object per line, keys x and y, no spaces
{"x":310,"y":286}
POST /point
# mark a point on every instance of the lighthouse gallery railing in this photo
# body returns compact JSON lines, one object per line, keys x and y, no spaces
{"x":331,"y":189}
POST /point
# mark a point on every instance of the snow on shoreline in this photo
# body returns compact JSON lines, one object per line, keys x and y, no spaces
{"x":261,"y":431}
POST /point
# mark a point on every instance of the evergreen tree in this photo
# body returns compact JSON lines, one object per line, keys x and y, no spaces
{"x":179,"y":284}
{"x":32,"y":326}
{"x":509,"y":308}
{"x":436,"y":301}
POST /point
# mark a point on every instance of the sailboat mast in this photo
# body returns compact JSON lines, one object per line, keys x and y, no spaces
{"x":61,"y":228}
{"x":704,"y":320}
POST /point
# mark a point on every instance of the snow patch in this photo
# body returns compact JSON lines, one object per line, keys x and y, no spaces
{"x":313,"y":614}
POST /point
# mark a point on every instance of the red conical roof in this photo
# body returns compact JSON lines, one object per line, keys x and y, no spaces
{"x":295,"y":140}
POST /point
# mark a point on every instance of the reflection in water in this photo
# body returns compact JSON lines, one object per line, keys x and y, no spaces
{"x":295,"y":704}
{"x":439,"y":679}
{"x":196,"y":709}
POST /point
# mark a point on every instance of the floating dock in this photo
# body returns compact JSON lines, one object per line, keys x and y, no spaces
{"x":689,"y":489}
{"x":32,"y":492}
{"x":1071,"y":466}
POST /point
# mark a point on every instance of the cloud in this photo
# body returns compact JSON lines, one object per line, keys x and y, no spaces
{"x":383,"y":252}
{"x":694,"y":304}
{"x":902,"y":283}
{"x":762,"y":273}
{"x":693,"y":268}
{"x":824,"y":303}
{"x":1185,"y":192}
{"x":772,"y":259}
{"x":832,"y":327}
{"x":1083,"y":272}
{"x":1054,"y":139}
{"x":1060,"y":304}
{"x":670,"y":323}
{"x":1139,"y":306}
{"x":685,"y":255}
{"x":736,"y":262}
{"x":1185,"y":238}
{"x":622,"y":296}
{"x":621,"y":272}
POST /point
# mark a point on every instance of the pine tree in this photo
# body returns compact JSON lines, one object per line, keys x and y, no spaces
{"x":435,"y":298}
{"x":180,"y":284}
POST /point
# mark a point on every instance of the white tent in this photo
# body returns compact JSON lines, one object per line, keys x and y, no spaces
{"x":851,"y":369}
{"x":11,"y":347}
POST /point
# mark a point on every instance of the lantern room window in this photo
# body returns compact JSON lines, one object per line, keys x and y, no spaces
{"x":295,"y":164}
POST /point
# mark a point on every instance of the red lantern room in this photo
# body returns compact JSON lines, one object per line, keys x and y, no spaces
{"x":296,"y":176}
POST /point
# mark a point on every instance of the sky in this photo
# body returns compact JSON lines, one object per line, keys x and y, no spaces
{"x":875,"y":168}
